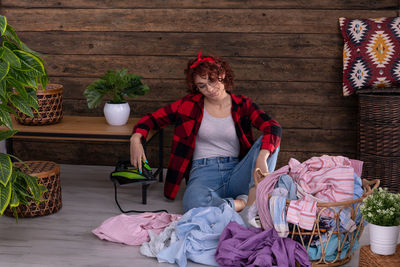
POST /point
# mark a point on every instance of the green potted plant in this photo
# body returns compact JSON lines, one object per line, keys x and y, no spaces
{"x":21,"y":72}
{"x":116,"y":84}
{"x":382,"y":211}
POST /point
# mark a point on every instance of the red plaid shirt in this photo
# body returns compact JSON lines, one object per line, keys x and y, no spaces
{"x":187,"y":113}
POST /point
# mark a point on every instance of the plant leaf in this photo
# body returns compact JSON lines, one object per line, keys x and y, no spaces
{"x":20,"y":88}
{"x":21,"y":197}
{"x":4,"y":68}
{"x":30,"y":61}
{"x":26,"y":48}
{"x":12,"y":58}
{"x":32,"y":98}
{"x":93,"y":97}
{"x":7,"y":134}
{"x":3,"y":89}
{"x":11,"y":34}
{"x":33,"y":185}
{"x":44,"y":80}
{"x":10,"y":45}
{"x":5,"y":169}
{"x":19,"y":76}
{"x":5,"y":196}
{"x":3,"y":25}
{"x":5,"y":116}
{"x":14,"y":201}
{"x":21,"y":187}
{"x":1,"y":51}
{"x":21,"y":104}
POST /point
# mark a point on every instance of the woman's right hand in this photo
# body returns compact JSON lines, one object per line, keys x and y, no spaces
{"x":137,"y":151}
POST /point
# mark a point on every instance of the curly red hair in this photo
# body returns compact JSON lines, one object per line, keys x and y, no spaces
{"x":214,"y":70}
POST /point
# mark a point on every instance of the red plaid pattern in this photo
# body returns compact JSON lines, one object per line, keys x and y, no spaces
{"x":187,"y":113}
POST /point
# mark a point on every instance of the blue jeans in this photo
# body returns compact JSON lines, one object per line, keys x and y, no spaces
{"x":214,"y":181}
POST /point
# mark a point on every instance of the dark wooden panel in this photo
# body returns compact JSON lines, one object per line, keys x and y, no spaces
{"x":265,"y":69}
{"x":324,"y":4}
{"x":274,"y":93}
{"x":184,"y":20}
{"x":71,"y":152}
{"x":316,"y":140}
{"x":313,"y":117}
{"x":185,"y":44}
{"x":307,"y":117}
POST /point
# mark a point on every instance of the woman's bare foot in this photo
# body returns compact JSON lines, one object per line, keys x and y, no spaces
{"x":239,"y":204}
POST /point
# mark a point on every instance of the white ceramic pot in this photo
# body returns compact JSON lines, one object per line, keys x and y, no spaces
{"x":383,"y":239}
{"x":117,"y":114}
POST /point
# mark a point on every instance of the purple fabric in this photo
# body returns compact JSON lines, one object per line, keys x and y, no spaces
{"x":241,"y":246}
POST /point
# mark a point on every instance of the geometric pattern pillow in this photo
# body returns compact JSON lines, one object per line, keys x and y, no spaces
{"x":371,"y":53}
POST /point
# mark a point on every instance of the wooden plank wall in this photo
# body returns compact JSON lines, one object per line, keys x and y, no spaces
{"x":286,"y":54}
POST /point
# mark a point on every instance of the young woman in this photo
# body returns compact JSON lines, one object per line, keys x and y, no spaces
{"x":213,"y":143}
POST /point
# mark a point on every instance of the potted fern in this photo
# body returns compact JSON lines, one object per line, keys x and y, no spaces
{"x":21,"y":72}
{"x":116,"y":84}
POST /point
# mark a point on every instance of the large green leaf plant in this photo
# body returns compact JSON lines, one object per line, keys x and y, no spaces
{"x":116,"y":84}
{"x":21,"y":72}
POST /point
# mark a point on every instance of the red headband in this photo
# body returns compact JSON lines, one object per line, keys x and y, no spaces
{"x":199,"y":60}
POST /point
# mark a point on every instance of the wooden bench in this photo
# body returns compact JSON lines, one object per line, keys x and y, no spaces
{"x":81,"y":128}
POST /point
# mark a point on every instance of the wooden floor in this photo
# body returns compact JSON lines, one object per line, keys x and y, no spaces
{"x":65,"y":238}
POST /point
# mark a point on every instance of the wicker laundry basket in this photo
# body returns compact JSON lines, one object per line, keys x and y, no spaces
{"x":316,"y":233}
{"x":50,"y":102}
{"x":48,"y":174}
{"x":379,"y":135}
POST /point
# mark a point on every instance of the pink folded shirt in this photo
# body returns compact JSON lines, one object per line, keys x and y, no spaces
{"x":132,"y":229}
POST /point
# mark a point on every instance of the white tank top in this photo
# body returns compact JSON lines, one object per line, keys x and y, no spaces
{"x":216,"y":138}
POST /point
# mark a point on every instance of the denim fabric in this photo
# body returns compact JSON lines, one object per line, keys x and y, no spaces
{"x":214,"y":181}
{"x":198,"y":233}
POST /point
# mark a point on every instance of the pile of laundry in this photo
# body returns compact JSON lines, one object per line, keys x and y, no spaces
{"x":320,"y":179}
{"x":219,"y":236}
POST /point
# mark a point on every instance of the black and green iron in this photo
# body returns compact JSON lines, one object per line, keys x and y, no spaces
{"x":125,"y":173}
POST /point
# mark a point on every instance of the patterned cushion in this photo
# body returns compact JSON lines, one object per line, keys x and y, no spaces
{"x":371,"y":53}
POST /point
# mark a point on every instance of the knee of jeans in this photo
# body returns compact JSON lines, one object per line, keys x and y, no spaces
{"x":196,"y":197}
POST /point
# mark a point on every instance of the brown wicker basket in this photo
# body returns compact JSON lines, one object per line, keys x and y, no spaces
{"x":379,"y":135}
{"x":387,"y":169}
{"x":380,"y":139}
{"x":50,"y":102}
{"x":48,"y":174}
{"x":380,"y":106}
{"x":298,"y":233}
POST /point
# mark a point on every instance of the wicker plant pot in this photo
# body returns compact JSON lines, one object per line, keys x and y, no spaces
{"x":48,"y":174}
{"x":50,"y":102}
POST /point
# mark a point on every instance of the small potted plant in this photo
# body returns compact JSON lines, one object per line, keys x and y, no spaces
{"x":382,"y":211}
{"x":116,"y":84}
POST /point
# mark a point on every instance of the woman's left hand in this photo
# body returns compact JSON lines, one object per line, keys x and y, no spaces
{"x":261,"y":162}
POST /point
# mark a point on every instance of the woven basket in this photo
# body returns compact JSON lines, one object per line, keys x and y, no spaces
{"x":379,"y":135}
{"x":336,"y":208}
{"x":379,"y":106}
{"x":48,"y":174}
{"x":50,"y":102}
{"x":387,"y":169}
{"x":379,"y":139}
